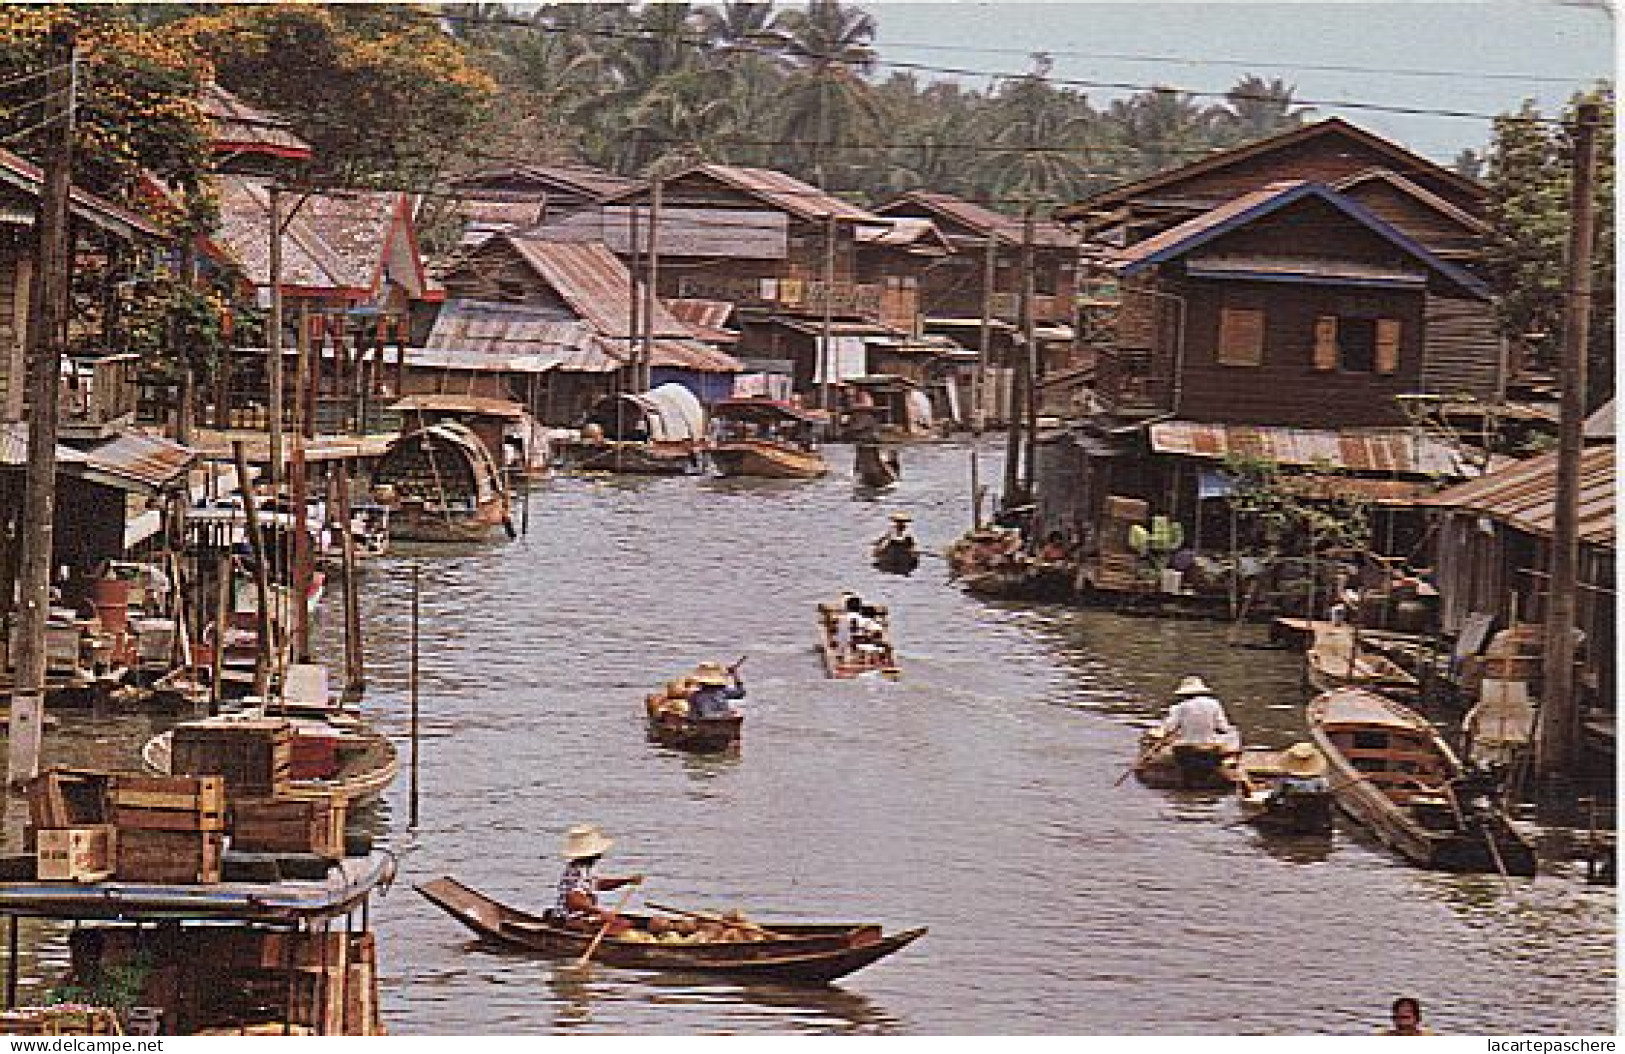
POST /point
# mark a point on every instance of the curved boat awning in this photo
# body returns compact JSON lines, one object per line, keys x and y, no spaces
{"x":347,"y":884}
{"x":671,"y":411}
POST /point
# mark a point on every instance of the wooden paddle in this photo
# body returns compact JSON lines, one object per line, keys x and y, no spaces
{"x":614,"y":913}
{"x":1145,"y":755}
{"x":708,"y":917}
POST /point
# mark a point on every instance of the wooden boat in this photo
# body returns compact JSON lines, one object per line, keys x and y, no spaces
{"x":896,"y":557}
{"x":1336,"y":660}
{"x":367,"y":759}
{"x":797,"y":953}
{"x":660,"y":432}
{"x":1271,"y":803}
{"x":682,"y":731}
{"x":843,"y":664}
{"x":441,"y":485}
{"x":1185,"y":766}
{"x":874,"y":466}
{"x":1393,"y":774}
{"x":761,"y":437}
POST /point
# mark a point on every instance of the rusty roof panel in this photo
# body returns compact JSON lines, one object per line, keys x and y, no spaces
{"x":1394,"y":451}
{"x":331,"y":241}
{"x":146,"y":459}
{"x":236,"y":127}
{"x":1525,"y":495}
{"x":981,"y":220}
{"x":594,"y":283}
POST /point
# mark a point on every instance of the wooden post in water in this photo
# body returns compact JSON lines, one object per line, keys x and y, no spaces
{"x":1559,"y":738}
{"x":355,"y":671}
{"x":222,"y":623}
{"x":412,"y":681}
{"x":262,"y":575}
{"x":46,"y":341}
{"x":984,"y":350}
{"x":826,"y":355}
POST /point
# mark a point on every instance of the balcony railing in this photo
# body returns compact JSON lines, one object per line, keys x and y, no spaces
{"x":787,"y":294}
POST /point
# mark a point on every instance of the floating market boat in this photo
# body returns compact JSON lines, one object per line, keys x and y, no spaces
{"x":874,"y":466}
{"x":875,"y":656}
{"x":785,"y":953}
{"x":1336,"y":660}
{"x":762,"y":437}
{"x":1185,"y":766}
{"x":660,"y":432}
{"x":441,"y":484}
{"x":1284,"y":791}
{"x":1393,"y":774}
{"x":671,"y":725}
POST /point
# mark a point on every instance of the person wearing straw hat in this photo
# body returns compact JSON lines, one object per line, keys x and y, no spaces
{"x":1197,"y":717}
{"x":1304,"y":772}
{"x":577,"y":903}
{"x":717,"y":688}
{"x":899,"y":533}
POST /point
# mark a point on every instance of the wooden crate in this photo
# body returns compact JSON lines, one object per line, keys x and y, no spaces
{"x":255,"y":757}
{"x":179,"y":857}
{"x":168,"y":803}
{"x":64,"y":797}
{"x":290,"y":825}
{"x":75,"y":854}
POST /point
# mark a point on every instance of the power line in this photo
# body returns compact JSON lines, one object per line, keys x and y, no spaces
{"x":1246,"y":63}
{"x":921,"y":67}
{"x":25,"y":78}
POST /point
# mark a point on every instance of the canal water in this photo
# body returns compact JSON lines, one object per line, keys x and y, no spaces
{"x":978,"y":796}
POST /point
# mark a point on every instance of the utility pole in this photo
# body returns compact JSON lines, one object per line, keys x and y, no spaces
{"x":274,"y":341}
{"x":46,"y":340}
{"x":1559,"y":739}
{"x":978,"y":397}
{"x":826,"y":354}
{"x":1021,"y":395}
{"x":1030,"y":338}
{"x":647,"y":359}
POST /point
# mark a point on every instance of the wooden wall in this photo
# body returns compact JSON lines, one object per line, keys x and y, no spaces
{"x":15,"y":272}
{"x":1287,"y":388}
{"x":1466,"y":355}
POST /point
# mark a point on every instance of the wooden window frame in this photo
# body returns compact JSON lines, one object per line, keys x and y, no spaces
{"x":1387,"y":345}
{"x":1241,"y":337}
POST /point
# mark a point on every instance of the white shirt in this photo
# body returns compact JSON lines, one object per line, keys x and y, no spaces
{"x":1199,"y":719}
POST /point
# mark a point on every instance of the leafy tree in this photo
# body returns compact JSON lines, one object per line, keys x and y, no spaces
{"x":381,"y":92}
{"x":1529,"y":185}
{"x":137,"y":108}
{"x":1256,"y":108}
{"x":829,"y":104}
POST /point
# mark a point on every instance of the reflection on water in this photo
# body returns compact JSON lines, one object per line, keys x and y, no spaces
{"x":978,"y":795}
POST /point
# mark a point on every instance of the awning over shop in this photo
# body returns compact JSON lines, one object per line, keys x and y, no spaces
{"x":1392,"y":451}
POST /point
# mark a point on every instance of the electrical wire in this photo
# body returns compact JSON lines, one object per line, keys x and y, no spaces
{"x":868,"y":61}
{"x":25,"y":78}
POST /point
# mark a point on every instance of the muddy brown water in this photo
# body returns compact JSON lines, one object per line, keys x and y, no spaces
{"x":977,"y":796}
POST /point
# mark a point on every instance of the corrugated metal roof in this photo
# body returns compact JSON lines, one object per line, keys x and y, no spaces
{"x":430,"y":402}
{"x":742,"y":234}
{"x":1525,"y":495}
{"x":332,"y":241}
{"x":581,"y":180}
{"x":595,"y":284}
{"x":147,"y":459}
{"x":980,"y":219}
{"x":1600,"y":425}
{"x":780,"y":190}
{"x":482,"y":336}
{"x":132,"y":461}
{"x":27,"y":177}
{"x":1267,"y":267}
{"x":711,"y":314}
{"x":236,"y":127}
{"x":1397,"y":451}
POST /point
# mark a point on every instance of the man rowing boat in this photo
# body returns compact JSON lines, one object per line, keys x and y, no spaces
{"x":577,"y":903}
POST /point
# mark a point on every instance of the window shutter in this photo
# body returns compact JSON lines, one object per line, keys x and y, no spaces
{"x":1326,"y":342}
{"x":1241,"y":337}
{"x":1387,"y":345}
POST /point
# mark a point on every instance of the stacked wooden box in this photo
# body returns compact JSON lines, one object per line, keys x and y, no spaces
{"x":289,"y":825}
{"x":170,"y":828}
{"x":67,"y":826}
{"x":255,"y":757}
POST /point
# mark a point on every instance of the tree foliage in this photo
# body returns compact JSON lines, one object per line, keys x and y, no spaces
{"x":381,"y":92}
{"x":136,"y":104}
{"x":643,"y":89}
{"x":1530,"y":169}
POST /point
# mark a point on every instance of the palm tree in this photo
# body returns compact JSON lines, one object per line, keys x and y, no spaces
{"x":1260,"y":108}
{"x":828,"y":103}
{"x":1046,"y":134}
{"x":1163,"y":127}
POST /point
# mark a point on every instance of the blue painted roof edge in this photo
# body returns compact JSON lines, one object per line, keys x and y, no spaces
{"x":1353,"y":209}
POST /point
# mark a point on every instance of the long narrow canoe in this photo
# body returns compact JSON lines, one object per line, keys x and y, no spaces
{"x":768,"y":458}
{"x":1393,"y":774}
{"x":799,"y":953}
{"x":845,"y":664}
{"x":1336,"y":660}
